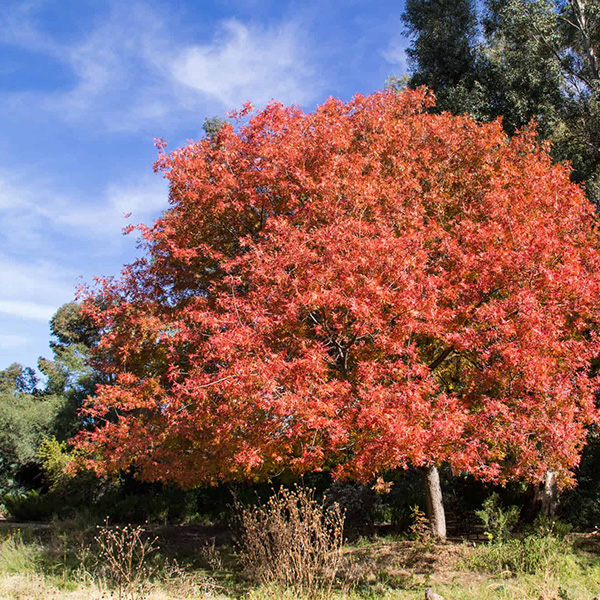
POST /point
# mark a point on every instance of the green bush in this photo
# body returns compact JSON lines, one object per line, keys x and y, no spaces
{"x":499,"y":522}
{"x":31,"y":506}
{"x":540,"y":552}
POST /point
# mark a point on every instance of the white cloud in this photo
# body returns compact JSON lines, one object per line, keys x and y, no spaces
{"x":135,"y":70}
{"x":133,"y":201}
{"x":31,"y":279}
{"x":27,"y":310}
{"x":30,"y":204}
{"x":249,"y":62}
{"x":37,"y":224}
{"x":142,"y":197}
{"x":33,"y":289}
{"x":18,"y":26}
{"x":10,"y":340}
{"x":116,"y":80}
{"x":395,"y":53}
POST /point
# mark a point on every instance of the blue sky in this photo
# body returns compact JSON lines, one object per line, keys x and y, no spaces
{"x":85,"y":87}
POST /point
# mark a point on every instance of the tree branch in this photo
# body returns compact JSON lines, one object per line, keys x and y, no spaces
{"x":441,"y":358}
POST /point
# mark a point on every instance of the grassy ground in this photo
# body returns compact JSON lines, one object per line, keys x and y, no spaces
{"x":60,"y":562}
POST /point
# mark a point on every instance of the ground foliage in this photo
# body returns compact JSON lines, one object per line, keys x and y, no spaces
{"x":64,"y":561}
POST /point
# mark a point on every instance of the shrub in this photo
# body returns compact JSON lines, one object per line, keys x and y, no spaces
{"x":293,"y":542}
{"x":541,"y":552}
{"x":499,"y":523}
{"x":32,"y":505}
{"x":420,"y":531}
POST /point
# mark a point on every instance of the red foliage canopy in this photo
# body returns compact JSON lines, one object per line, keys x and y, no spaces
{"x":365,"y":287}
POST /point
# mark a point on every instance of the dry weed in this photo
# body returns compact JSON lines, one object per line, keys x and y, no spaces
{"x":125,"y":559}
{"x":292,"y":541}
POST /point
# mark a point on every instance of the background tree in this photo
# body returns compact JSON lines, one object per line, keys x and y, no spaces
{"x":360,"y":289}
{"x":443,"y":55}
{"x":212,"y":126}
{"x":71,"y":373}
{"x":27,"y":418}
{"x":518,"y":67}
{"x":32,"y":412}
{"x":532,"y":59}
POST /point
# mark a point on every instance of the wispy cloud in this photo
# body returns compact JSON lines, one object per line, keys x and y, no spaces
{"x":33,"y":289}
{"x":27,"y":310}
{"x":10,"y":340}
{"x":134,"y":70}
{"x":57,"y":225}
{"x":19,"y":26}
{"x":31,"y":205}
{"x":118,"y":81}
{"x":249,"y":62}
{"x":395,"y":53}
{"x":135,"y":200}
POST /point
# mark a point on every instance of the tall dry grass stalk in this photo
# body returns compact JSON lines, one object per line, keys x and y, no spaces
{"x":293,"y":542}
{"x":125,"y":555}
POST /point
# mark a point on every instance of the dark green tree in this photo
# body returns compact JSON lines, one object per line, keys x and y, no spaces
{"x":443,"y":55}
{"x":518,"y":68}
{"x":521,"y":60}
{"x":31,"y":412}
{"x":70,"y":373}
{"x":579,"y":139}
{"x":541,"y":63}
{"x":212,"y":126}
{"x":27,"y":418}
{"x":16,"y":379}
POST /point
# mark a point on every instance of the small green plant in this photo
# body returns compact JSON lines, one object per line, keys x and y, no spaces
{"x":420,"y":530}
{"x":499,"y":522}
{"x":563,"y":594}
{"x":393,"y":581}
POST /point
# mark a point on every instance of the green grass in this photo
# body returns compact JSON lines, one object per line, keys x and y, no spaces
{"x":58,"y":563}
{"x":17,"y":556}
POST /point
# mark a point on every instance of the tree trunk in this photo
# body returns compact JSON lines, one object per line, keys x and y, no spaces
{"x":549,"y":494}
{"x":579,"y":8}
{"x":434,"y":503}
{"x":541,"y":499}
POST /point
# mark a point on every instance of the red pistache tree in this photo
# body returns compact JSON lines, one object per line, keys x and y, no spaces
{"x":362,"y":288}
